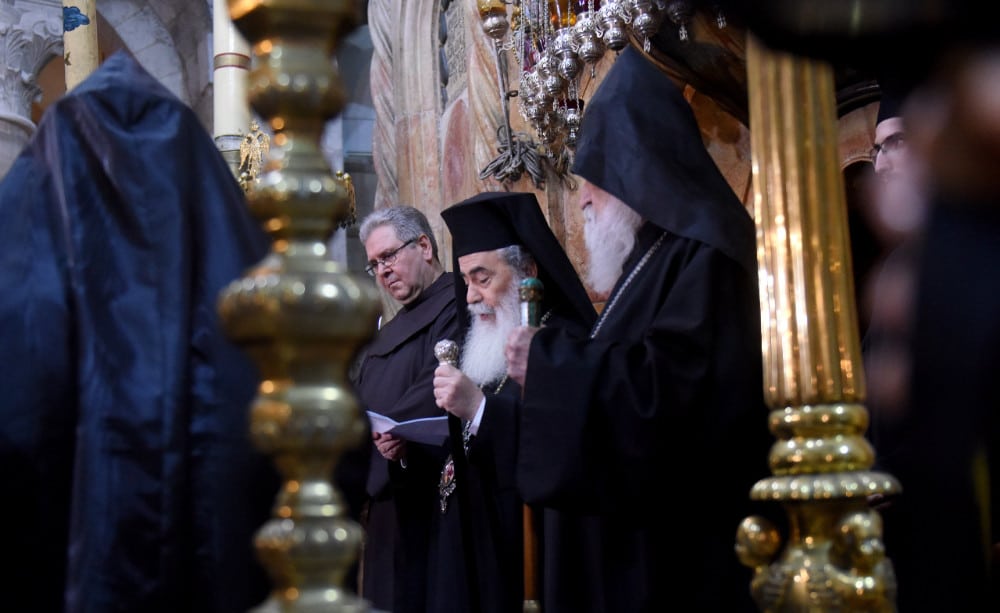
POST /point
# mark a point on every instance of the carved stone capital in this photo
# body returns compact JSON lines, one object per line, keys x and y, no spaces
{"x":30,"y":36}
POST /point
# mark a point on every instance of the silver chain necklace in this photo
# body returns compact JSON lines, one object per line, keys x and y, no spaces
{"x":621,"y":289}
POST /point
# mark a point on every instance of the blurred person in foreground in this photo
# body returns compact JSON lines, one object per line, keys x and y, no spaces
{"x":943,"y":531}
{"x":669,"y":383}
{"x":131,"y":481}
{"x":898,"y":200}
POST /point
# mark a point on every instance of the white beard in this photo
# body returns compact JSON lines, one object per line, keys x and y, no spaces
{"x":609,"y":237}
{"x":483,"y":358}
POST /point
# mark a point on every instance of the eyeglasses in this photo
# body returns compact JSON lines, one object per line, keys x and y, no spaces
{"x":387,"y":259}
{"x":892,"y":143}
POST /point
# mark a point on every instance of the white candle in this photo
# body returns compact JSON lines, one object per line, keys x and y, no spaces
{"x":231,"y":65}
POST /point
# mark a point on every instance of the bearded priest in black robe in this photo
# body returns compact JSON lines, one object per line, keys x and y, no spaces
{"x":655,"y":426}
{"x":477,"y":553}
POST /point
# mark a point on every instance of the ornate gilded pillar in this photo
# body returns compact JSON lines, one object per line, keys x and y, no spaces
{"x":231,"y":68}
{"x":30,"y":36}
{"x":300,"y":314}
{"x":833,"y":558}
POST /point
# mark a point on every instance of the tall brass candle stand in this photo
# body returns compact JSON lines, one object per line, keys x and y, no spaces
{"x":834,"y":558}
{"x":300,"y":315}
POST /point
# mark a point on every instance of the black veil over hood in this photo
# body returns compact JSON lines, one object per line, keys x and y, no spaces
{"x":639,"y":141}
{"x":492,"y":220}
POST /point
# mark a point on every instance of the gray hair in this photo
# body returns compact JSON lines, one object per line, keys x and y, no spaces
{"x":518,"y":258}
{"x":408,"y":223}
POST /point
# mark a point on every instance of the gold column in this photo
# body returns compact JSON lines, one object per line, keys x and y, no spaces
{"x":300,"y":314}
{"x":80,"y":53}
{"x":834,"y":558}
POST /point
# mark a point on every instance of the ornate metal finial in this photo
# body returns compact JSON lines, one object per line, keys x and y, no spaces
{"x":517,"y":153}
{"x":493,"y":14}
{"x":720,"y":16}
{"x":530,"y":294}
{"x":253,"y":149}
{"x":348,"y":184}
{"x":446,"y":352}
{"x":681,"y":12}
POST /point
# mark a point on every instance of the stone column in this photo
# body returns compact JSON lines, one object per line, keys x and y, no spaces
{"x":383,"y":22}
{"x":30,"y":36}
{"x":231,"y":65}
{"x":80,"y":53}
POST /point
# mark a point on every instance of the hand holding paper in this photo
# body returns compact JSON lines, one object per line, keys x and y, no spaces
{"x":427,"y":430}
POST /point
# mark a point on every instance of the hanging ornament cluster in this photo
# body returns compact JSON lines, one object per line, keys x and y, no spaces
{"x":552,"y":43}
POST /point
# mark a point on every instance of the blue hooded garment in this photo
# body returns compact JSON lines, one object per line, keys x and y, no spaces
{"x":129,"y":480}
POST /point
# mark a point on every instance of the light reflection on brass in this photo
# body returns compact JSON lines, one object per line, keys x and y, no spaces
{"x":833,"y":559}
{"x":299,"y":314}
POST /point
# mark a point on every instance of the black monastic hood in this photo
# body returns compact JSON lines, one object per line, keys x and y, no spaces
{"x":639,"y":141}
{"x":492,"y":220}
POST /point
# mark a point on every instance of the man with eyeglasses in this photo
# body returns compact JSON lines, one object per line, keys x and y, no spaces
{"x":898,"y":199}
{"x":898,"y":204}
{"x":931,"y":358}
{"x":897,"y":210}
{"x":395,"y":378}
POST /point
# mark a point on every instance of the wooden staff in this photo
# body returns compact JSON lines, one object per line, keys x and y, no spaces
{"x":530,"y":293}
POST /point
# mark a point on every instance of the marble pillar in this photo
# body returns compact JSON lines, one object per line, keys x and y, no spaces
{"x":30,"y":36}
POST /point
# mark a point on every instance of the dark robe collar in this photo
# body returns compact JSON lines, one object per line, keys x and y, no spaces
{"x":415,"y":316}
{"x":648,"y":234}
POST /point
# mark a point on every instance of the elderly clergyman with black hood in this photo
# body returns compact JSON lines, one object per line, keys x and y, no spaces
{"x":655,"y":425}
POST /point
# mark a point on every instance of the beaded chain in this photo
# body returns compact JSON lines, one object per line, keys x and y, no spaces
{"x":628,"y":280}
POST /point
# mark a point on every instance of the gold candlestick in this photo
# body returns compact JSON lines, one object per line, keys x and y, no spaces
{"x":301,"y":315}
{"x":834,"y":559}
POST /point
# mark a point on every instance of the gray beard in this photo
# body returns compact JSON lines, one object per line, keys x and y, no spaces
{"x":483,"y":358}
{"x":609,"y":237}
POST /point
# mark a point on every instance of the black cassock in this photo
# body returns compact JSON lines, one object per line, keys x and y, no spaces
{"x":940,"y":533}
{"x":495,"y":514}
{"x":396,"y":378}
{"x":649,"y":436}
{"x":129,"y":480}
{"x":495,"y":510}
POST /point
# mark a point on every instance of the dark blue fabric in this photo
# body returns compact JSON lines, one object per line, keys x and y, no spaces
{"x":130,"y":481}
